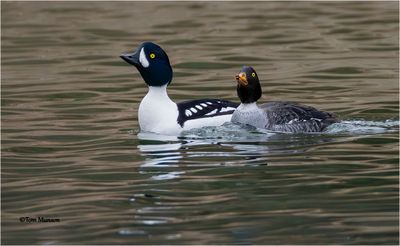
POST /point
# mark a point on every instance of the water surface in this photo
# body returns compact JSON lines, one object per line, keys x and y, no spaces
{"x":71,"y":147}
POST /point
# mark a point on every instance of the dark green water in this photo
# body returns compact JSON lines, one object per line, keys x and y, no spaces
{"x":71,"y":149}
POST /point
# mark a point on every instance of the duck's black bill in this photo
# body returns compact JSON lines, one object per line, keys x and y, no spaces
{"x":131,"y":58}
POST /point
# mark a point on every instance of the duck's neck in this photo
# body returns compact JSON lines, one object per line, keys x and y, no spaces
{"x":158,"y":93}
{"x":248,"y":106}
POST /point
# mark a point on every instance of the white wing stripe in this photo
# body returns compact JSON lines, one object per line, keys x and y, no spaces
{"x":212,"y":112}
{"x":226,"y":109}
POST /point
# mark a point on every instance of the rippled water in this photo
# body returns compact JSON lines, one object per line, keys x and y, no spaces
{"x":71,"y":147}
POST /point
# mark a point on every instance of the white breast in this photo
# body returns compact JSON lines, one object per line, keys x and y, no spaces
{"x":158,"y":113}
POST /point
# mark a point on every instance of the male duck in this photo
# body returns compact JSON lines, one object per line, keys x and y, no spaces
{"x":157,"y":112}
{"x":275,"y":116}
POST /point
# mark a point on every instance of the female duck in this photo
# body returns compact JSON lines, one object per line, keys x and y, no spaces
{"x":275,"y":116}
{"x":157,"y":112}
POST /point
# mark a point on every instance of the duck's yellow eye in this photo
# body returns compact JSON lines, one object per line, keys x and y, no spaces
{"x":152,"y":55}
{"x":253,"y":74}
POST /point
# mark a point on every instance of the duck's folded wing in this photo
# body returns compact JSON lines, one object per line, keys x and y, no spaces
{"x":294,"y":117}
{"x":204,"y":108}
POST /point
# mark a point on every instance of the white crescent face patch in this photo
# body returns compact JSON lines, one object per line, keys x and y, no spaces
{"x":142,"y":58}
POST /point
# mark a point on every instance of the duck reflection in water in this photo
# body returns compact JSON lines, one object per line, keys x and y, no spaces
{"x":168,"y":157}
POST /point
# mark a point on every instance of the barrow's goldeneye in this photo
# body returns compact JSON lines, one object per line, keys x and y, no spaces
{"x":275,"y":116}
{"x":157,"y":112}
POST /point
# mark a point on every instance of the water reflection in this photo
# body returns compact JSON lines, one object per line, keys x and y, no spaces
{"x":246,"y":145}
{"x":229,"y":141}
